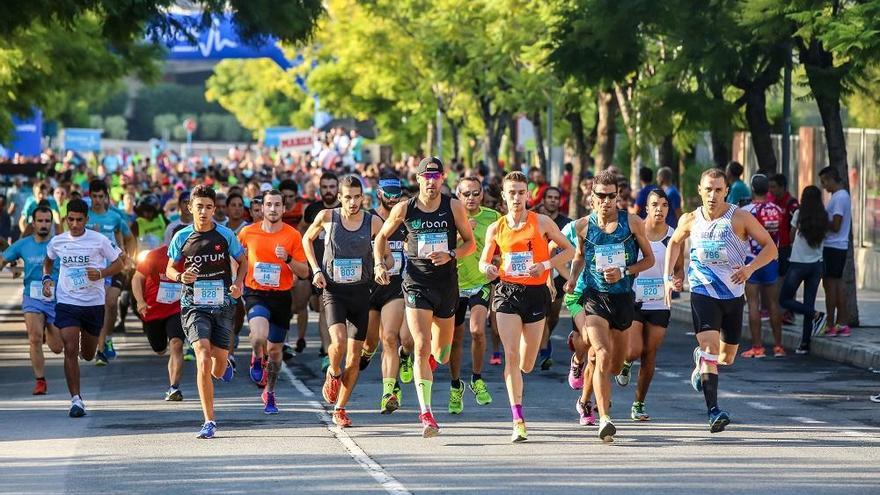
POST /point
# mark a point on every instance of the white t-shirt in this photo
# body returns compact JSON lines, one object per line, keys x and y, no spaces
{"x":839,"y":204}
{"x":801,"y":251}
{"x":76,"y":254}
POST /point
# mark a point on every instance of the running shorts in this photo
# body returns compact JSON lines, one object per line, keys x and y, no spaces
{"x":89,"y":319}
{"x":573,"y":303}
{"x":213,"y":323}
{"x":481,"y":298}
{"x":442,"y":300}
{"x":159,"y":332}
{"x":724,"y":315}
{"x":618,"y":309}
{"x":273,"y":305}
{"x":834,"y":261}
{"x":766,"y":275}
{"x":528,"y":301}
{"x":343,"y":305}
{"x":384,"y":294}
{"x":656,"y":317}
{"x":31,"y":305}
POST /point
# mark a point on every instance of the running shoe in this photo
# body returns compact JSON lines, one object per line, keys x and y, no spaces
{"x":341,"y":419}
{"x":638,"y":412}
{"x":40,"y":388}
{"x":256,"y":370}
{"x":173,"y":395}
{"x":330,"y":390}
{"x":230,"y":370}
{"x":819,"y":323}
{"x":208,"y":430}
{"x":429,"y":425}
{"x":432,"y":363}
{"x":109,"y":349}
{"x":778,"y":351}
{"x":545,"y":357}
{"x":718,"y":420}
{"x":300,"y":345}
{"x":456,"y":396}
{"x":286,"y":352}
{"x":756,"y":351}
{"x":232,"y":362}
{"x":325,"y":363}
{"x":696,"y":383}
{"x":389,"y":404}
{"x":398,"y":392}
{"x":802,"y":349}
{"x":270,"y":408}
{"x":406,"y":365}
{"x":875,"y":398}
{"x":189,"y":354}
{"x":843,"y":331}
{"x":622,"y":379}
{"x":101,"y":359}
{"x":495,"y":359}
{"x":575,"y":374}
{"x":606,"y":429}
{"x":586,"y":417}
{"x":830,"y":331}
{"x":519,"y":432}
{"x":365,"y":359}
{"x":481,"y":392}
{"x":77,"y":408}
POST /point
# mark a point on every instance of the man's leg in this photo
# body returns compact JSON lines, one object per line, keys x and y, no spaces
{"x":111,"y":305}
{"x":830,"y":285}
{"x":441,"y":338}
{"x":842,"y":308}
{"x":204,"y":365}
{"x":709,"y":342}
{"x":635,"y":343}
{"x":71,"y":338}
{"x":601,"y":341}
{"x":259,"y":332}
{"x":511,"y":333}
{"x":175,"y":361}
{"x":420,"y":322}
{"x":336,"y":350}
{"x":302,"y":292}
{"x":478,"y":338}
{"x":753,"y":298}
{"x":653,"y":338}
{"x":351,"y":372}
{"x":35,"y":323}
{"x":273,"y":366}
{"x":770,"y":294}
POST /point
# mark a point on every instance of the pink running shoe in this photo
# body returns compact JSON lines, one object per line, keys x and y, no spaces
{"x":585,"y":412}
{"x":830,"y":331}
{"x":843,"y":331}
{"x":576,"y":375}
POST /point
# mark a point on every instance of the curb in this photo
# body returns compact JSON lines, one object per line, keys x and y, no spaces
{"x":837,"y":349}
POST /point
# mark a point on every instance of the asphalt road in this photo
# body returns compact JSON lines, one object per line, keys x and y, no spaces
{"x":800,"y":425}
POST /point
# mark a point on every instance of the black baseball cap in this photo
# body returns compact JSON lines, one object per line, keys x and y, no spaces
{"x":430,"y":164}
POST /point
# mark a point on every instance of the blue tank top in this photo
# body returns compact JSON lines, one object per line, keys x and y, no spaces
{"x":602,"y":249}
{"x":716,"y":251}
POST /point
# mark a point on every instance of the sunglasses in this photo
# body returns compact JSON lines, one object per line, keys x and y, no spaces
{"x":604,"y":196}
{"x":431,"y":175}
{"x":471,"y":194}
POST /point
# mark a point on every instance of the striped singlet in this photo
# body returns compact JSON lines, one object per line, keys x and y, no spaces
{"x":716,"y":251}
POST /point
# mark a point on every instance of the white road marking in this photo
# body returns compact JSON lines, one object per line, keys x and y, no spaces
{"x":808,"y":421}
{"x":760,"y":406}
{"x":384,"y":478}
{"x":671,"y":374}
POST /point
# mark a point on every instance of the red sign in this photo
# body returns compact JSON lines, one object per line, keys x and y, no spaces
{"x":190,"y":125}
{"x":295,"y":141}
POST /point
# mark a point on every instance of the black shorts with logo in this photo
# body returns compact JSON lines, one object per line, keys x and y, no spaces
{"x":348,"y":304}
{"x":618,"y":309}
{"x":530,"y":302}
{"x":442,"y":299}
{"x":273,"y":305}
{"x":724,"y":315}
{"x":384,"y":294}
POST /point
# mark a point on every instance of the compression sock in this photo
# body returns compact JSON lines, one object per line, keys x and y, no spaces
{"x":388,"y":385}
{"x":475,"y":377}
{"x":456,"y":383}
{"x":516,"y":410}
{"x":423,"y":390}
{"x":273,"y":368}
{"x":444,"y":353}
{"x":710,"y":389}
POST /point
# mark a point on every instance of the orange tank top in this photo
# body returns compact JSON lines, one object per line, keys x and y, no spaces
{"x":519,"y":249}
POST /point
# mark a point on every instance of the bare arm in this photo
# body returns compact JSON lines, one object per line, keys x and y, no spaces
{"x":380,"y":243}
{"x":637,"y":227}
{"x":312,"y":233}
{"x":465,"y":233}
{"x":675,"y":249}
{"x":114,"y":268}
{"x":551,"y":230}
{"x":835,"y":224}
{"x":486,"y":265}
{"x":242,"y":269}
{"x":375,"y":227}
{"x":578,"y":262}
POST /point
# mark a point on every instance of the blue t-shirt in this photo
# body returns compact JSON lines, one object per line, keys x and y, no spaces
{"x":107,"y":224}
{"x":209,"y":254}
{"x":739,"y":194}
{"x":33,"y":253}
{"x":31,"y":204}
{"x":674,"y":198}
{"x":642,"y":200}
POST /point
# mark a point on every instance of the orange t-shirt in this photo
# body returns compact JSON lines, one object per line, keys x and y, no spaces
{"x":519,"y":248}
{"x":265,"y":270}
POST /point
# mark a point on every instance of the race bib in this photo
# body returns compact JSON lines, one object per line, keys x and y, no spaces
{"x":208,"y":293}
{"x":77,"y":278}
{"x":398,"y":263}
{"x":431,"y":242}
{"x":517,"y":264}
{"x":347,"y":271}
{"x":169,"y":292}
{"x":649,"y":289}
{"x":268,"y":274}
{"x":711,"y":252}
{"x":610,"y":256}
{"x":36,"y":291}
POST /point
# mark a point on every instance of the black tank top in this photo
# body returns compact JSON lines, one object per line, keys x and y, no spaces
{"x":348,"y":254}
{"x":397,"y":246}
{"x":429,"y":232}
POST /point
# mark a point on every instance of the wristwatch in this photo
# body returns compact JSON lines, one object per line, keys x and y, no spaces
{"x":289,"y":259}
{"x":451,"y":253}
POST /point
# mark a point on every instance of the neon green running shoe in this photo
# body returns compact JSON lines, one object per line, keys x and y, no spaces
{"x":389,"y":404}
{"x":638,"y":412}
{"x":456,"y":404}
{"x":519,"y":432}
{"x":398,"y":393}
{"x":406,"y":365}
{"x":481,"y":393}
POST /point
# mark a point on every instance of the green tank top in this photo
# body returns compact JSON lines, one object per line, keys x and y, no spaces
{"x":469,"y":275}
{"x":150,"y":232}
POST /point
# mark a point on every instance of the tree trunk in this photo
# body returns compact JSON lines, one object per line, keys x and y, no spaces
{"x":455,"y":133}
{"x":759,"y":127}
{"x":667,"y":153}
{"x":826,"y":86}
{"x":429,"y":142}
{"x":721,"y":154}
{"x":535,"y":117}
{"x":495,"y":123}
{"x":582,"y":160}
{"x":606,"y":130}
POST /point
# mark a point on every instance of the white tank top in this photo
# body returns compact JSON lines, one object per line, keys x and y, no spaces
{"x":716,"y":251}
{"x":649,"y":286}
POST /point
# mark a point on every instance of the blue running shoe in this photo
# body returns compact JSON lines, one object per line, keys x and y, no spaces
{"x":227,"y":375}
{"x":695,"y":375}
{"x":208,"y":430}
{"x":718,"y":420}
{"x":101,"y":359}
{"x":257,"y":371}
{"x":109,"y":349}
{"x":270,"y":408}
{"x":77,"y":408}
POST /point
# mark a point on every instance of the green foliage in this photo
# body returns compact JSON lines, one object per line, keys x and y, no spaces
{"x":115,"y":127}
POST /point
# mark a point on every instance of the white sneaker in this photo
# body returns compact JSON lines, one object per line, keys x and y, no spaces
{"x":77,"y":408}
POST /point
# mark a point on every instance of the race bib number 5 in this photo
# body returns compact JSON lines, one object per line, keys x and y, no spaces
{"x":208,"y":293}
{"x":610,"y":256}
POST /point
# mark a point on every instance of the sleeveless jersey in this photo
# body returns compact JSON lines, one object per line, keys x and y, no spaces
{"x":601,"y":250}
{"x":649,"y":285}
{"x":715,"y":252}
{"x":520,"y":248}
{"x":429,"y":232}
{"x":771,"y":216}
{"x":396,"y":244}
{"x":348,"y":254}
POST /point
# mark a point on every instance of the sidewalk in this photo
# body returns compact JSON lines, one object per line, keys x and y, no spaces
{"x":862,"y":349}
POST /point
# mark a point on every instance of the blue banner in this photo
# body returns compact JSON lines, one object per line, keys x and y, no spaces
{"x":27,"y":135}
{"x":272,"y":134}
{"x":220,"y":41}
{"x":82,"y":139}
